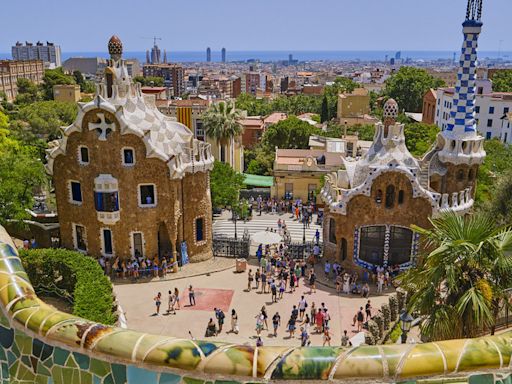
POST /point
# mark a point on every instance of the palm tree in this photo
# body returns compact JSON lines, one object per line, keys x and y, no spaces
{"x":222,"y":122}
{"x":459,"y":285}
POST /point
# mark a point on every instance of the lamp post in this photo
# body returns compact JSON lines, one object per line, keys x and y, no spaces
{"x":405,"y":324}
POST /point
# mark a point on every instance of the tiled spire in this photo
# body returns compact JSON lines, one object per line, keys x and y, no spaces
{"x":462,"y":119}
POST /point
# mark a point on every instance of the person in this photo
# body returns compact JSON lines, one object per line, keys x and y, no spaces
{"x":380,"y":282}
{"x":259,"y":252}
{"x":346,"y":283}
{"x":327,"y":318}
{"x":317,"y":236}
{"x":259,"y":324}
{"x":319,"y":320}
{"x":276,"y":322}
{"x":312,"y":281}
{"x":304,"y":337}
{"x":297,"y":274}
{"x":177,"y":298}
{"x":303,"y":304}
{"x":249,"y":279}
{"x":316,"y":251}
{"x":211,"y":329}
{"x":219,"y":314}
{"x":306,"y":322}
{"x":234,"y":322}
{"x":291,"y":326}
{"x":327,"y":268}
{"x":365,"y":291}
{"x":170,"y":307}
{"x":295,"y":312}
{"x":360,"y":319}
{"x":344,"y":339}
{"x":282,"y":288}
{"x":265,"y":316}
{"x":368,"y":310}
{"x":259,"y":342}
{"x":327,"y":337}
{"x":338,"y":284}
{"x":257,"y":276}
{"x":313,"y":312}
{"x":191,"y":296}
{"x":158,"y":301}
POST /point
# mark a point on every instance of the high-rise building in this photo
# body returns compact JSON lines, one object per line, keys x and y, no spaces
{"x":49,"y":53}
{"x":223,"y":52}
{"x":155,"y":55}
{"x":11,"y":71}
{"x":208,"y":54}
{"x":172,"y":74}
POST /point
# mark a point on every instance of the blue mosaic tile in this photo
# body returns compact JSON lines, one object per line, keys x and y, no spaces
{"x":168,"y":378}
{"x":140,"y":375}
{"x":6,"y":337}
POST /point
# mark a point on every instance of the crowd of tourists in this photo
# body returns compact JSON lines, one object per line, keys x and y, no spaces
{"x":137,"y":266}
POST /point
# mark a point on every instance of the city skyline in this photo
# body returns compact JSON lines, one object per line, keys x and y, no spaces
{"x":336,"y":26}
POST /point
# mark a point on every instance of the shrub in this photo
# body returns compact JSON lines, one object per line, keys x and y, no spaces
{"x":76,"y":274}
{"x":386,"y":315}
{"x":380,"y":323}
{"x":401,"y":296}
{"x":393,"y":307}
{"x":369,"y":339}
{"x":373,"y":328}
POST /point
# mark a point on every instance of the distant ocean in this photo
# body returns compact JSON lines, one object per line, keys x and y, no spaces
{"x":269,"y":56}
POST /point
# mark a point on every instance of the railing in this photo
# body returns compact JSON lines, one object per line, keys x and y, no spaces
{"x":41,"y":344}
{"x":230,"y":247}
{"x":457,"y":201}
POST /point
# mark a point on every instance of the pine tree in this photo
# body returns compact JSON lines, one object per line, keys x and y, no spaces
{"x":325,"y":111}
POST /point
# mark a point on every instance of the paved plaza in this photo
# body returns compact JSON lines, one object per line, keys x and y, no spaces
{"x":227,"y":289}
{"x":224,"y":225}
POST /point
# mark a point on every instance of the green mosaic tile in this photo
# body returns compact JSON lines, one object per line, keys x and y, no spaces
{"x":14,"y":368}
{"x":15,"y":349}
{"x":41,"y":369}
{"x":191,"y":380}
{"x":85,"y":377}
{"x":41,"y":379}
{"x":25,"y":373}
{"x":60,"y":356}
{"x":169,"y":378}
{"x":48,"y":363}
{"x":25,"y":360}
{"x":96,"y":379}
{"x":57,"y":374}
{"x":70,"y":362}
{"x":83,"y":361}
{"x":119,"y":373}
{"x":108,"y":379}
{"x":41,"y":350}
{"x":24,"y":343}
{"x":99,"y":368}
{"x":11,"y":357}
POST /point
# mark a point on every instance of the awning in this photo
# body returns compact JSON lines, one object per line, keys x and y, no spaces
{"x":258,"y":181}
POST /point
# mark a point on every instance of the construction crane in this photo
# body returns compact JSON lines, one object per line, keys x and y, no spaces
{"x":154,"y":38}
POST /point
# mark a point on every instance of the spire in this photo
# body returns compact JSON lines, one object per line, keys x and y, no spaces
{"x":147,"y":56}
{"x":165,"y":56}
{"x":474,"y":10}
{"x":115,"y":48}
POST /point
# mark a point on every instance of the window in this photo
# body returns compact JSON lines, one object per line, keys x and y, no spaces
{"x":470,"y":175}
{"x":372,"y":244}
{"x":76,"y":192}
{"x":491,"y":110}
{"x":378,"y":197}
{"x":138,"y":244}
{"x":390,"y":196}
{"x":506,"y":110}
{"x":489,"y":123}
{"x":84,"y":155}
{"x":107,"y":241}
{"x":128,"y":156}
{"x":332,"y":231}
{"x":477,"y":109}
{"x":401,"y":196}
{"x":80,"y":238}
{"x":199,"y":130}
{"x":222,"y":153}
{"x":147,"y":196}
{"x":400,"y":245}
{"x":460,"y":175}
{"x":106,"y":201}
{"x":199,"y":229}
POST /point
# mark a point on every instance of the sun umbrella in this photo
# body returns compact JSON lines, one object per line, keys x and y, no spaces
{"x":266,"y":237}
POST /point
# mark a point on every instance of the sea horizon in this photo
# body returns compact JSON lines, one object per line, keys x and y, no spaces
{"x":281,"y":55}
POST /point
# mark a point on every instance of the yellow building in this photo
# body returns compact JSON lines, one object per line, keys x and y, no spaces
{"x":66,"y":92}
{"x":354,"y":108}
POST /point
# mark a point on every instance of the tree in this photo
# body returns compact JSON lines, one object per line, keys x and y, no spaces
{"x":502,"y":81}
{"x":324,"y":115}
{"x":153,"y":81}
{"x":54,"y":77}
{"x":222,"y":121}
{"x":458,"y":285}
{"x":225,"y":185}
{"x":500,"y":204}
{"x":419,"y":137}
{"x":259,"y":161}
{"x":496,"y":163}
{"x":331,"y":92}
{"x":252,"y":105}
{"x":21,"y":173}
{"x":289,"y":133}
{"x":28,"y":91}
{"x":408,"y":85}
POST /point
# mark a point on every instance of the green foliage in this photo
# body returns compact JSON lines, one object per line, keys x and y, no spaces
{"x":500,"y":204}
{"x":362,"y":131}
{"x":225,"y":185}
{"x":21,"y":173}
{"x":222,"y":121}
{"x":419,"y":137}
{"x":294,"y":105}
{"x":46,"y":117}
{"x":324,"y":116}
{"x":28,"y":92}
{"x":290,"y":133}
{"x":502,"y":81}
{"x":77,"y":274}
{"x":458,"y":285}
{"x":408,"y":85}
{"x":149,"y":81}
{"x":259,"y":161}
{"x":495,"y":165}
{"x":395,"y":334}
{"x":54,"y":77}
{"x":85,"y":85}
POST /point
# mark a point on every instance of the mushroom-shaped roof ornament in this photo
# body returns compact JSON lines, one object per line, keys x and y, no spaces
{"x":390,"y":112}
{"x":115,"y":48}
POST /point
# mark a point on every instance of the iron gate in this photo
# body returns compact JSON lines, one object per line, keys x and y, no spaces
{"x":230,"y":247}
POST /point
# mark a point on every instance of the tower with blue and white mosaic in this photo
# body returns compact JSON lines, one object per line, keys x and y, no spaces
{"x":460,"y":141}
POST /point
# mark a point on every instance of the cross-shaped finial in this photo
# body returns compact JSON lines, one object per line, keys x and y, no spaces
{"x":103,"y":128}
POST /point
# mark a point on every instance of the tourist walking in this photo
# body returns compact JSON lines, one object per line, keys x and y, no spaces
{"x":249,"y":280}
{"x":276,"y":322}
{"x":191,"y":296}
{"x":368,"y":310}
{"x":327,"y":337}
{"x":259,"y":324}
{"x":273,"y":289}
{"x":170,"y":307}
{"x":234,"y":322}
{"x":177,"y":298}
{"x":344,"y":339}
{"x":304,"y":337}
{"x":313,"y":312}
{"x":265,"y":316}
{"x":291,"y":326}
{"x":158,"y":302}
{"x":303,"y":304}
{"x":360,"y":319}
{"x":219,"y":314}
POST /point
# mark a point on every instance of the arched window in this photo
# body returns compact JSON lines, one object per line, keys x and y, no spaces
{"x":378,"y":197}
{"x":332,"y":231}
{"x":343,"y":249}
{"x":390,"y":196}
{"x":401,"y":196}
{"x":470,"y":175}
{"x":460,"y":175}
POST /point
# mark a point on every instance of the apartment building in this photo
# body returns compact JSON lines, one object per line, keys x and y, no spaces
{"x":12,"y":70}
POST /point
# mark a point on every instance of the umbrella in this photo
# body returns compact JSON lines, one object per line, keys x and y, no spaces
{"x":266,"y":237}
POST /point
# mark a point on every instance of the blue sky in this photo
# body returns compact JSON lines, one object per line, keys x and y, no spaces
{"x":190,"y":25}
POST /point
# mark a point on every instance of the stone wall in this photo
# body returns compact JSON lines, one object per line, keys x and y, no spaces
{"x":105,"y":157}
{"x":364,"y":210}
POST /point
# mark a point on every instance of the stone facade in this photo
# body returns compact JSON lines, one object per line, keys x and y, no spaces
{"x":141,"y":182}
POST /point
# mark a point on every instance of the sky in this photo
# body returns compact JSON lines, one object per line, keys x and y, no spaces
{"x":243,"y":25}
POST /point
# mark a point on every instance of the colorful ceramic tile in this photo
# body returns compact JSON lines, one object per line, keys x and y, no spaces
{"x":306,"y":364}
{"x":231,"y":361}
